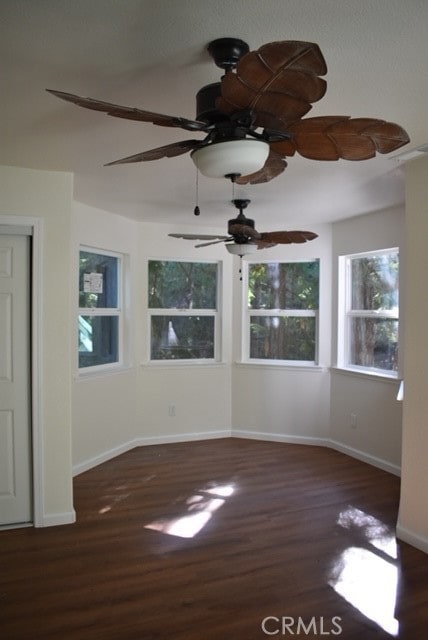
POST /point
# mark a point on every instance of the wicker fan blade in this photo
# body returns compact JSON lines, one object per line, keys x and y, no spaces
{"x":168,"y":151}
{"x":243,"y":230}
{"x":130,"y":113}
{"x":287,"y":237}
{"x":280,"y":78}
{"x":208,"y":244}
{"x":264,"y":245}
{"x":198,"y":236}
{"x":334,"y":137}
{"x":273,"y":167}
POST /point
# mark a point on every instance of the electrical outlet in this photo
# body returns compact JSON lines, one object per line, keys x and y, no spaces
{"x":353,"y":420}
{"x":171,"y":410}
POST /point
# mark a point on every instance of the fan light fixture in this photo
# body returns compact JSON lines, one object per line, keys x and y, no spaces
{"x":231,"y":158}
{"x":241,"y":249}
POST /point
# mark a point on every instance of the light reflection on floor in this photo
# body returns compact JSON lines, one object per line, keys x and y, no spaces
{"x":366,"y":576}
{"x":199,"y":510}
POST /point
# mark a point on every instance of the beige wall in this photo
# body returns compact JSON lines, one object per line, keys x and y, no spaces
{"x":413,"y":516}
{"x":47,"y":196}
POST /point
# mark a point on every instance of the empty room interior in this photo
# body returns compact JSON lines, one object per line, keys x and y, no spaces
{"x":213,"y":223}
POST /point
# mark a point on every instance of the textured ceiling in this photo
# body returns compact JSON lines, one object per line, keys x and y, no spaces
{"x":152,"y":55}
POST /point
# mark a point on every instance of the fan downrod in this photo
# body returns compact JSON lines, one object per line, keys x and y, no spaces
{"x":227,"y":52}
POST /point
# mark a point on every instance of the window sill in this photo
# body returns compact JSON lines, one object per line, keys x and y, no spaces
{"x":307,"y":368}
{"x":366,"y":375}
{"x":112,"y":371}
{"x":183,"y":364}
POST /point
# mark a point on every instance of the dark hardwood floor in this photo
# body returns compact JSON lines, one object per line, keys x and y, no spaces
{"x":219,"y":540}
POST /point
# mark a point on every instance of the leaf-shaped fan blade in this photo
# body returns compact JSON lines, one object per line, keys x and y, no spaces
{"x":243,"y":230}
{"x":264,"y":245}
{"x":207,"y":244}
{"x":273,"y":167}
{"x":131,"y":113}
{"x":168,"y":151}
{"x":197,"y":236}
{"x":287,"y":237}
{"x":334,"y":137}
{"x":280,"y":78}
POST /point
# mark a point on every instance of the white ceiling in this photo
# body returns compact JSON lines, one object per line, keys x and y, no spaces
{"x":152,"y":54}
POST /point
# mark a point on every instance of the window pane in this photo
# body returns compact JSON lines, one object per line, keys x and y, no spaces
{"x":182,"y":285}
{"x":98,"y":340}
{"x":282,"y":338}
{"x":98,"y":280}
{"x":375,"y":282}
{"x":292,"y":285}
{"x":374,"y":343}
{"x":182,"y":337}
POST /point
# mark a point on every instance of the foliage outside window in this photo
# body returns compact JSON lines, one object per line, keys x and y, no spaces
{"x":282,"y":311}
{"x":183,"y":310}
{"x":371,"y":316}
{"x":99,"y":320}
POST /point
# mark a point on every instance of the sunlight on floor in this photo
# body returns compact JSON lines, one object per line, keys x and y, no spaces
{"x":368,"y":578}
{"x":198,"y":511}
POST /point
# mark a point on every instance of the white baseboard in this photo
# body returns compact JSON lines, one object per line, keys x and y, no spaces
{"x":235,"y":433}
{"x":411,"y":538}
{"x":145,"y":441}
{"x":365,"y":457}
{"x":104,"y":457}
{"x":279,"y":437}
{"x":57,"y":519}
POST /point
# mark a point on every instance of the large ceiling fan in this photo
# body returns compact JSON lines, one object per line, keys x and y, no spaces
{"x":242,"y":236}
{"x":253,"y":117}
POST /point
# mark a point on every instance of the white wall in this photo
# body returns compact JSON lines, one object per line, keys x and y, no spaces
{"x":116,"y":411}
{"x":377,"y":436}
{"x":104,"y":405}
{"x":413,"y":516}
{"x":47,"y":196}
{"x":286,"y":403}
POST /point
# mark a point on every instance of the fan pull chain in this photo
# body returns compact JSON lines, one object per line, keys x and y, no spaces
{"x":196,"y":210}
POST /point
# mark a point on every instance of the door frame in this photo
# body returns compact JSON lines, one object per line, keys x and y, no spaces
{"x":36,"y":334}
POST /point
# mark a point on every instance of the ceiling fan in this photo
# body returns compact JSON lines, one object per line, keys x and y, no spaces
{"x":253,"y":117}
{"x":242,"y":236}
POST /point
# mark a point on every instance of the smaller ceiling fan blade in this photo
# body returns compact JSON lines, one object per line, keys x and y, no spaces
{"x":207,"y":244}
{"x":287,"y":237}
{"x":198,"y":236}
{"x":167,"y":151}
{"x":131,"y":113}
{"x":264,"y":245}
{"x":243,"y":230}
{"x":273,"y":167}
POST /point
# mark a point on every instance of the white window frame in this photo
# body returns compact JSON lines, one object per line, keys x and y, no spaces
{"x":168,"y":311}
{"x":291,"y":313}
{"x":346,"y":314}
{"x":106,"y":312}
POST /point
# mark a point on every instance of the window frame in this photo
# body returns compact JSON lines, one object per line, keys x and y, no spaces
{"x":116,"y":312}
{"x":346,"y":314}
{"x":248,"y":312}
{"x":171,"y":311}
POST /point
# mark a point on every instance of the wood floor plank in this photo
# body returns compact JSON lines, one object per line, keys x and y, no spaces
{"x":291,"y":538}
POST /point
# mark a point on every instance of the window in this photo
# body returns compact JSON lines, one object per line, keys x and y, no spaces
{"x":183,"y":310}
{"x":369,"y":303}
{"x":100,"y":304}
{"x":282,"y":311}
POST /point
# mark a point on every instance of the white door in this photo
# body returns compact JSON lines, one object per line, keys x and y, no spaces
{"x":15,"y":372}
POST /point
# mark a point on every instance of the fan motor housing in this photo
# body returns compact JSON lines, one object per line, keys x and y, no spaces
{"x":206,"y":97}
